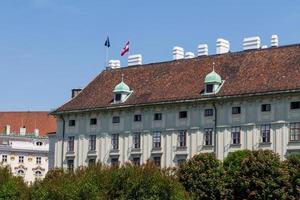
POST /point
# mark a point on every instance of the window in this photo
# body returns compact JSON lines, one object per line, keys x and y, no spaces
{"x":295,"y":105}
{"x":156,"y":139}
{"x":115,"y":119}
{"x":93,"y":121}
{"x":136,"y":161}
{"x":39,"y":143}
{"x":157,"y":116}
{"x":38,"y":173}
{"x":295,"y":131}
{"x":72,"y":122}
{"x":208,"y":132}
{"x":236,"y":110}
{"x":182,"y":139}
{"x":137,"y":118}
{"x":4,"y":158}
{"x":92,"y":161}
{"x":92,"y":143}
{"x":265,"y":107}
{"x":136,"y":140}
{"x":182,"y":114}
{"x":235,"y":135}
{"x":21,"y":172}
{"x":208,"y":112}
{"x":115,"y":141}
{"x":70,"y":165}
{"x":209,"y":88}
{"x":114,"y":162}
{"x":38,"y":160}
{"x":21,"y":159}
{"x":180,"y":161}
{"x":156,"y":161}
{"x":71,"y":143}
{"x":118,"y":97}
{"x":265,"y":133}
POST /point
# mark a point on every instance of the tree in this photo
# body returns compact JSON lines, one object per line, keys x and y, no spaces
{"x":293,"y":166}
{"x":202,"y":177}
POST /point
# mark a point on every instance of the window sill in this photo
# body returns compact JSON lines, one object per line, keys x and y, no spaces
{"x":265,"y":144}
{"x":92,"y":152}
{"x":156,"y":150}
{"x":181,"y":148}
{"x":294,"y":142}
{"x":235,"y":145}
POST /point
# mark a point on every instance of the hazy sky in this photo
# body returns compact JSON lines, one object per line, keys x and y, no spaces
{"x":48,"y":47}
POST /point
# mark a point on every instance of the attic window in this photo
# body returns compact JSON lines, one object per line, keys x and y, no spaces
{"x":118,"y":97}
{"x":209,"y":88}
{"x":121,"y":92}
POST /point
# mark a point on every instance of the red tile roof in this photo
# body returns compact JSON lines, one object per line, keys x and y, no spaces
{"x":246,"y":72}
{"x":31,"y":120}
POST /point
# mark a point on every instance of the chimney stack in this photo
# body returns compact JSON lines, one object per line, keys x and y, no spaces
{"x":251,"y":43}
{"x":178,"y":53}
{"x":222,"y":46}
{"x":114,"y":64}
{"x":189,"y":55}
{"x":202,"y":50}
{"x":274,"y":41}
{"x":7,"y":129}
{"x":135,"y":60}
{"x":22,"y":130}
{"x":36,"y":132}
{"x":75,"y":92}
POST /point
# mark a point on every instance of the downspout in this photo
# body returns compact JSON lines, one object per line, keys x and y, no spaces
{"x":63,"y":141}
{"x":215,"y":128}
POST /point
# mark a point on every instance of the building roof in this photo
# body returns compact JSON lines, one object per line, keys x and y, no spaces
{"x":30,"y":120}
{"x":275,"y":69}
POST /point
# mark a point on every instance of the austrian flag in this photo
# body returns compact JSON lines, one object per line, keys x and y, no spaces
{"x":125,"y":49}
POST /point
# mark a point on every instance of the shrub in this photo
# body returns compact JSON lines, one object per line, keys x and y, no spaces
{"x":293,"y":166}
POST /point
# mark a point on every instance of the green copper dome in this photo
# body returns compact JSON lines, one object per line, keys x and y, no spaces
{"x":213,"y":77}
{"x":122,"y":87}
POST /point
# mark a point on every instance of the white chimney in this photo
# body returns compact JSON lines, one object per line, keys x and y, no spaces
{"x":135,"y":60}
{"x":274,"y":41}
{"x":251,"y":43}
{"x":264,"y":46}
{"x":222,"y":46}
{"x":7,"y":129}
{"x":23,"y":131}
{"x":178,"y":53}
{"x":189,"y":55}
{"x":114,"y":64}
{"x":202,"y":50}
{"x":36,"y":132}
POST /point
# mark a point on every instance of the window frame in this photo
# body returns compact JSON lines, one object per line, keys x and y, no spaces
{"x":92,"y":143}
{"x":71,"y":143}
{"x":294,"y":132}
{"x":157,"y":161}
{"x":38,"y":160}
{"x":93,"y":121}
{"x":136,"y":140}
{"x":236,"y":135}
{"x":156,"y":139}
{"x":209,"y":88}
{"x":157,"y":116}
{"x":183,"y":114}
{"x":116,"y":119}
{"x":118,"y":97}
{"x":209,"y":112}
{"x":136,"y":161}
{"x":114,"y":162}
{"x":265,"y":133}
{"x":182,"y":139}
{"x":4,"y":158}
{"x":115,"y":141}
{"x":21,"y":159}
{"x":137,"y":118}
{"x":72,"y":123}
{"x":236,"y":110}
{"x":266,"y":107}
{"x":70,"y":165}
{"x":208,"y":137}
{"x":294,"y":105}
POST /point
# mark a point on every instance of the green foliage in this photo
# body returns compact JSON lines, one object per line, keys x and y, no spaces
{"x":202,"y":176}
{"x":11,"y":187}
{"x":293,"y":166}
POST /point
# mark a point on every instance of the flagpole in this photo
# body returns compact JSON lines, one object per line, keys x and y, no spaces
{"x":106,"y":58}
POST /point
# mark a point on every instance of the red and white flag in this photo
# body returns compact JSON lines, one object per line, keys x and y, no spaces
{"x":125,"y":49}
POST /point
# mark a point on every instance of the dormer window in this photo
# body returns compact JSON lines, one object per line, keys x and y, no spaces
{"x":209,"y":88}
{"x":121,"y":92}
{"x":213,"y":83}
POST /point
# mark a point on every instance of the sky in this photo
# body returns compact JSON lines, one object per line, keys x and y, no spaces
{"x":48,"y":47}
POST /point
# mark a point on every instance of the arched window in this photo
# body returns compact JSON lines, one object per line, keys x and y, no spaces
{"x":39,"y":143}
{"x":38,"y":173}
{"x":21,"y":172}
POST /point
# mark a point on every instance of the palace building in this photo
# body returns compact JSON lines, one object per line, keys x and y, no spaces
{"x":24,"y":145}
{"x":169,"y":111}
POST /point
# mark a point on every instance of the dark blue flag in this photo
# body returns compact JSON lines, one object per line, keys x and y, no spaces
{"x":107,"y":43}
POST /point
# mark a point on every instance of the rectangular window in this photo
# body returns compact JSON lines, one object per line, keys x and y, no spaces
{"x":92,"y":161}
{"x":70,"y":165}
{"x":118,"y":97}
{"x":115,"y":141}
{"x":182,"y":114}
{"x":71,"y":143}
{"x":208,"y":112}
{"x":93,"y":121}
{"x":137,"y":118}
{"x":136,"y":161}
{"x":156,"y":160}
{"x":72,"y":122}
{"x":114,"y":162}
{"x":136,"y":140}
{"x":4,"y":158}
{"x":157,"y":116}
{"x":295,"y":131}
{"x":38,"y":160}
{"x":208,"y":133}
{"x":235,"y":135}
{"x":92,"y":143}
{"x":116,"y":119}
{"x":182,"y":138}
{"x":295,"y":105}
{"x":181,"y":161}
{"x":265,"y":133}
{"x":157,"y":139}
{"x":236,"y":110}
{"x":209,"y":88}
{"x":265,"y":107}
{"x":21,"y":159}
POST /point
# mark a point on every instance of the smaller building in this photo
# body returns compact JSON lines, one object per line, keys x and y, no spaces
{"x":24,"y":144}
